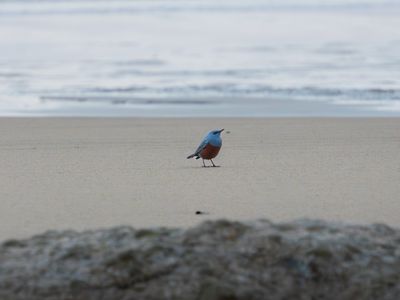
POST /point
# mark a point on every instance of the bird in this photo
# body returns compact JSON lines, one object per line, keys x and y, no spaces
{"x":209,"y":147}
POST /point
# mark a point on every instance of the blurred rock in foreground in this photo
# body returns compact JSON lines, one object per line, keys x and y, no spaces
{"x":215,"y":260}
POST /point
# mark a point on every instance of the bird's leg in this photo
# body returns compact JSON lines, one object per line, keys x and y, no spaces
{"x":213,"y":163}
{"x":204,"y":165}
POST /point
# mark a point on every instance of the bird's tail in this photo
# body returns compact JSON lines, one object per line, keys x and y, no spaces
{"x":191,"y":155}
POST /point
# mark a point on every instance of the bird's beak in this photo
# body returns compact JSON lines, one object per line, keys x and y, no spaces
{"x":221,"y":130}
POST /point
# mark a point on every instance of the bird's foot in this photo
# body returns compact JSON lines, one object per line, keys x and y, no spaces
{"x":213,"y":164}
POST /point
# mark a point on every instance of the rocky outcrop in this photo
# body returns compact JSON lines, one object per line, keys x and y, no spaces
{"x":215,"y":260}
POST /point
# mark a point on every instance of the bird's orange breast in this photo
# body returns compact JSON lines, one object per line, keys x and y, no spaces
{"x":209,"y":152}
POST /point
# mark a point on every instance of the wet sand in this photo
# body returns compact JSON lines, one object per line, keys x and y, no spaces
{"x":71,"y":173}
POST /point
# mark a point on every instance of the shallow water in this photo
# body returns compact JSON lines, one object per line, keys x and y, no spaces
{"x":199,"y":58}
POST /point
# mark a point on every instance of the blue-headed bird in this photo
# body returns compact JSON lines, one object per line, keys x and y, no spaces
{"x":209,"y":147}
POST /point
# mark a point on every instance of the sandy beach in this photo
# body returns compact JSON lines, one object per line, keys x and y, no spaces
{"x":80,"y":173}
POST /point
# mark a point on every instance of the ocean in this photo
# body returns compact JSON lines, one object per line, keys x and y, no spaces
{"x":199,"y":58}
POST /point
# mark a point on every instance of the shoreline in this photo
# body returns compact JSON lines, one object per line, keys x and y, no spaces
{"x":86,"y":173}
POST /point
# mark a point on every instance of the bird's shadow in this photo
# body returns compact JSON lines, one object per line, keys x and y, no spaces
{"x":201,"y":167}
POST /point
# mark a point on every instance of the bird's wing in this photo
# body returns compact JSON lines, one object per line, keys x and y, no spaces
{"x":201,"y":146}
